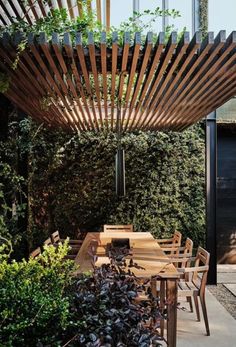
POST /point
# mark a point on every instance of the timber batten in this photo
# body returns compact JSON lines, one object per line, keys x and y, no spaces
{"x":160,"y":86}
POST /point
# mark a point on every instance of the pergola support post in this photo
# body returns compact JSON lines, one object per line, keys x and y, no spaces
{"x":165,"y":19}
{"x":211,"y":176}
{"x":195,"y":15}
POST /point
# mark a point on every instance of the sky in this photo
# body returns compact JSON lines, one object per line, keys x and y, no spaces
{"x":222,"y":13}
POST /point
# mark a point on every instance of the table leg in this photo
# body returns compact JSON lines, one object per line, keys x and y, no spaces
{"x":171,"y":293}
{"x":162,"y":305}
{"x":153,"y":285}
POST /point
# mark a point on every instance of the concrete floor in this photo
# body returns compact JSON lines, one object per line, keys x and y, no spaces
{"x":222,"y":325}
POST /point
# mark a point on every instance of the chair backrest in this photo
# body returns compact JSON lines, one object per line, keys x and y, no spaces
{"x":188,"y":248}
{"x":177,"y":237}
{"x":202,"y":260}
{"x":55,"y":237}
{"x":187,"y":252}
{"x":122,"y":228}
{"x":48,"y":242}
{"x":35,"y":253}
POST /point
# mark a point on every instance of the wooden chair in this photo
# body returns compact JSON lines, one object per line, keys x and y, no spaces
{"x":48,"y":242}
{"x":35,"y":253}
{"x":72,"y":243}
{"x":170,"y":245}
{"x":182,"y":255}
{"x":195,"y":284}
{"x":123,"y":228}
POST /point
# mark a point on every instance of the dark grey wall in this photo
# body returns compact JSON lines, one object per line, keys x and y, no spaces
{"x":226,"y":194}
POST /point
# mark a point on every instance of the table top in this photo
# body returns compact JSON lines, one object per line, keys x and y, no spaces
{"x":146,"y":252}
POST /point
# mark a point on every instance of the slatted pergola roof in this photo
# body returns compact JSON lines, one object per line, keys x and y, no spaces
{"x":32,"y":10}
{"x":81,"y":87}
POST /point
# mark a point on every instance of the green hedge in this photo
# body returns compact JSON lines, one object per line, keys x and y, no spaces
{"x":72,"y":182}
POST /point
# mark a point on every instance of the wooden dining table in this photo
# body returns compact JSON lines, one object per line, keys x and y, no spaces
{"x":152,"y":263}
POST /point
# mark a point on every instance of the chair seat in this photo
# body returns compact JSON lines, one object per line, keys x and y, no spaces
{"x":187,"y":288}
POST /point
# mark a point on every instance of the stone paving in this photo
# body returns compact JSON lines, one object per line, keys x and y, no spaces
{"x":231,"y":287}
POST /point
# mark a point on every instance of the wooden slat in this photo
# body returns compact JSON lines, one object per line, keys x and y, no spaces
{"x":42,"y":8}
{"x":125,"y":54}
{"x":135,"y":57}
{"x":81,"y":56}
{"x":221,"y":89}
{"x":48,"y":76}
{"x":187,"y":76}
{"x":66,"y":74}
{"x":176,"y":81}
{"x":123,"y":71}
{"x":108,"y":14}
{"x":218,"y":68}
{"x":25,"y":12}
{"x":99,"y":11}
{"x":80,"y":8}
{"x":50,"y":5}
{"x":104,"y":74}
{"x":65,"y":93}
{"x":165,"y":61}
{"x":32,"y":6}
{"x":70,"y":9}
{"x":225,"y":95}
{"x":8,"y":57}
{"x":6,"y":11}
{"x":89,"y":6}
{"x":69,"y":52}
{"x":150,"y":73}
{"x":59,"y":2}
{"x":12,"y":4}
{"x":113,"y":74}
{"x":148,"y":48}
{"x":174,"y":64}
{"x":200,"y":74}
{"x":165,"y":87}
{"x":3,"y":20}
{"x":38,"y":77}
{"x":92,"y":56}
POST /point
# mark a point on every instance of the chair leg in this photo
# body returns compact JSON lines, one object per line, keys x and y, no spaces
{"x":204,"y":311}
{"x":189,"y":300}
{"x":197,"y":307}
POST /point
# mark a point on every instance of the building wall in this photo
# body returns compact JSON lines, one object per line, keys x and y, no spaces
{"x":226,"y":194}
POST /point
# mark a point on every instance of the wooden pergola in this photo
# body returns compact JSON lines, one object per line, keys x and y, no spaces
{"x":150,"y":86}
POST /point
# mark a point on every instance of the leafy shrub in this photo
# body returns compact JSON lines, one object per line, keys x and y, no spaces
{"x":13,"y":204}
{"x":106,"y":312}
{"x":34,"y":305}
{"x":73,"y":182}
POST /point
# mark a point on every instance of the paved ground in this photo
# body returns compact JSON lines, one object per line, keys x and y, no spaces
{"x":221,"y":312}
{"x":231,"y":288}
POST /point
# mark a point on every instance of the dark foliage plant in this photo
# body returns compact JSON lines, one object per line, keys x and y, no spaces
{"x":107,"y":314}
{"x":43,"y":304}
